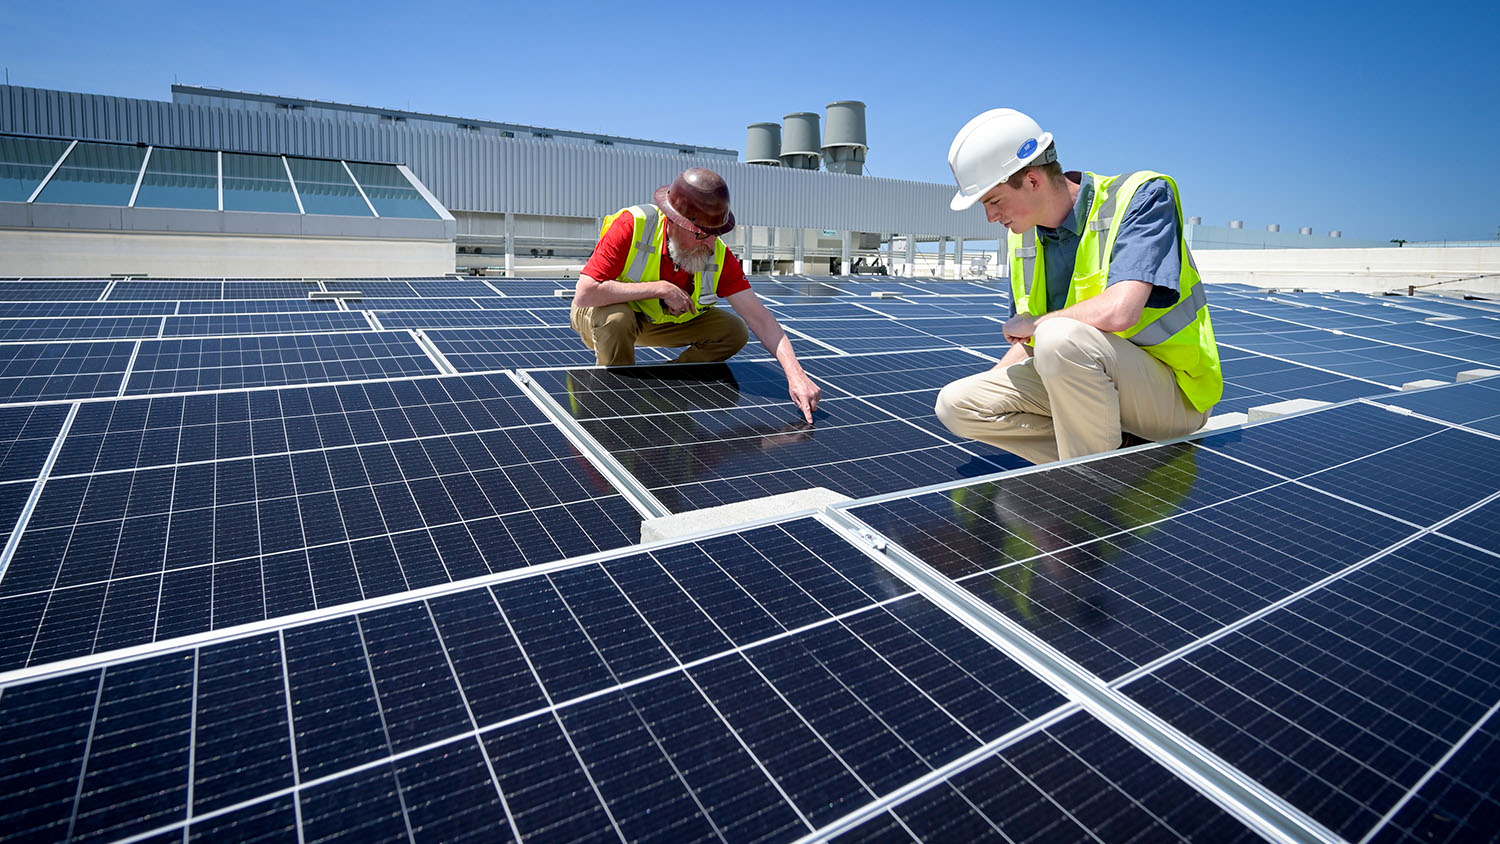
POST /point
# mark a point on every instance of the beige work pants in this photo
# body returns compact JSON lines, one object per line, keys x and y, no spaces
{"x":613,"y":332}
{"x":1080,"y":389}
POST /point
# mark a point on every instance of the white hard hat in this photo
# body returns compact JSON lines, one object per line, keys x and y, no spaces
{"x":991,"y":148}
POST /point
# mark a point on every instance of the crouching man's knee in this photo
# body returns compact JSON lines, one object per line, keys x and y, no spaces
{"x":949,"y":400}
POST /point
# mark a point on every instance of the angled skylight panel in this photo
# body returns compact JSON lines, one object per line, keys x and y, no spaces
{"x":257,"y":183}
{"x":180,"y":178}
{"x":95,"y":174}
{"x":390,"y":191}
{"x":325,"y":188}
{"x":24,"y":163}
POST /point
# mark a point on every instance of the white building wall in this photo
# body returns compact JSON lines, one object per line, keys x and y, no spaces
{"x":1468,"y":268}
{"x":100,"y":254}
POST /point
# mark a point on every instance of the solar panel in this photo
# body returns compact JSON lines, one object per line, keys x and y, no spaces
{"x":267,"y":323}
{"x":172,"y":366}
{"x":161,"y":290}
{"x":81,"y":328}
{"x":309,"y":588}
{"x":757,"y":685}
{"x":46,"y":371}
{"x":169,"y":516}
{"x":714,"y":434}
{"x":39,"y":290}
{"x":85,"y":309}
{"x":254,"y":306}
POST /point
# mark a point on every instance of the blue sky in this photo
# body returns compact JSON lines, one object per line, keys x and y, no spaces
{"x":1379,"y":119}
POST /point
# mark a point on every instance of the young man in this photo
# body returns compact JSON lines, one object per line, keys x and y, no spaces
{"x":656,"y":274}
{"x":1109,"y":327}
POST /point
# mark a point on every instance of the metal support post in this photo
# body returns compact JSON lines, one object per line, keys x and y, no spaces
{"x":510,"y":245}
{"x":746,"y":260}
{"x":911,"y":255}
{"x":844,"y":249}
{"x":797,"y":247}
{"x":942,"y":268}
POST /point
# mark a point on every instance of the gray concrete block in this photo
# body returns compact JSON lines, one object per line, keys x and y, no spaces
{"x":1283,"y":408}
{"x":1422,"y":384}
{"x":729,"y":516}
{"x":1223,"y":420}
{"x":1476,"y":374}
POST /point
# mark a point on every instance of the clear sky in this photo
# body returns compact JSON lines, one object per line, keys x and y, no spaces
{"x":1377,"y":118}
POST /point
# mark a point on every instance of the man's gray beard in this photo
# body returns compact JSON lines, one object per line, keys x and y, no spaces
{"x":696,"y":263}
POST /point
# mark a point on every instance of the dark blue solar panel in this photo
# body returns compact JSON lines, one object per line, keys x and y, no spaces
{"x":27,"y":433}
{"x":1076,"y":781}
{"x":45,"y":371}
{"x":414,"y":303}
{"x":283,"y":323}
{"x":459,"y":319}
{"x":630,"y":737}
{"x":712,"y":434}
{"x":84,"y":309}
{"x":255,"y":306}
{"x":168,"y":366}
{"x":1461,"y":800}
{"x":481,"y":350}
{"x":159,"y":290}
{"x":90,"y":328}
{"x":1315,"y":441}
{"x":1341,"y":701}
{"x":268,"y":289}
{"x":1475,"y":404}
{"x":451,"y":288}
{"x":62,"y":290}
{"x":156,"y":522}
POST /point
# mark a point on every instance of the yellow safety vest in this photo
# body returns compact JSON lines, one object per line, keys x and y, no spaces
{"x":643,"y":263}
{"x":1181,"y":336}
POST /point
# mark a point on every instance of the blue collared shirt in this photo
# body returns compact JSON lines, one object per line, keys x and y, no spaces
{"x":1148,"y":247}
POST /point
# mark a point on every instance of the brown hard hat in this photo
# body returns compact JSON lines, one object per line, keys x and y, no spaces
{"x":698,"y":200}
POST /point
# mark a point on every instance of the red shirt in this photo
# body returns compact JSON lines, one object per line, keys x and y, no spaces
{"x":608,"y":261}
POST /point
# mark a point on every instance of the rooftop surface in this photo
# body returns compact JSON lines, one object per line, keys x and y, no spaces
{"x":365,"y":567}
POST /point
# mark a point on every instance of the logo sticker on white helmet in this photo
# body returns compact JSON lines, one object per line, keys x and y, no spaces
{"x":1027,"y":148}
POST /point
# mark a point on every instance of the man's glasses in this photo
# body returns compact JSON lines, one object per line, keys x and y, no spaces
{"x":701,"y":236}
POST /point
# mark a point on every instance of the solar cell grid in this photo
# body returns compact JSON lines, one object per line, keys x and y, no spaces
{"x":449,"y":287}
{"x":718,"y":434}
{"x":270,"y":323}
{"x":47,"y":371}
{"x":488,"y":349}
{"x":163,"y":290}
{"x":1342,"y":700}
{"x":1437,"y":337}
{"x":867,"y":335}
{"x":81,"y":328}
{"x":188,"y":365}
{"x":268,"y":289}
{"x":1073,"y":781}
{"x":757,"y":685}
{"x":39,"y":290}
{"x":414,"y":303}
{"x":458,"y":319}
{"x":157,"y":523}
{"x":253,"y":306}
{"x":84,"y":309}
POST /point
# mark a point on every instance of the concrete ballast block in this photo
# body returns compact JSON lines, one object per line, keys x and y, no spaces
{"x":1220,"y":421}
{"x":1422,"y":384}
{"x":1283,"y":408}
{"x":729,"y":516}
{"x":1476,"y":374}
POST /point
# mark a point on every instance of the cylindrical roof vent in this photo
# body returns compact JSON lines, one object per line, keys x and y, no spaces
{"x":799,"y":141}
{"x":1305,"y":230}
{"x":1335,"y":233}
{"x":1236,"y":224}
{"x":1195,"y":221}
{"x":844,"y":144}
{"x":1273,"y":227}
{"x":763,"y":144}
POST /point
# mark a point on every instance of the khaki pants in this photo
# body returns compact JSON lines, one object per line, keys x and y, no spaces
{"x":613,"y":332}
{"x":1081,"y":388}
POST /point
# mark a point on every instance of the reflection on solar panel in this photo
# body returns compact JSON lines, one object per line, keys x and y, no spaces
{"x":269,"y":574}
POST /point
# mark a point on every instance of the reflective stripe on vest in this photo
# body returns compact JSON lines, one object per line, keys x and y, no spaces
{"x":645,"y":233}
{"x":643,"y":264}
{"x":1180,"y":335}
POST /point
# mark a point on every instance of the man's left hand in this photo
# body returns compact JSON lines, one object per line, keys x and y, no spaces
{"x":1019,"y":328}
{"x":805,"y":394}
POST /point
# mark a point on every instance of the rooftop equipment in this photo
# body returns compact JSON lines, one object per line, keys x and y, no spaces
{"x":763,"y":144}
{"x":799,"y":141}
{"x":844,"y":144}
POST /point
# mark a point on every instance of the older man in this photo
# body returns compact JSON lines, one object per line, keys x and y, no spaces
{"x":1109,"y":329}
{"x":656,"y":275}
